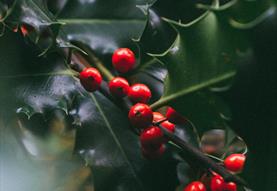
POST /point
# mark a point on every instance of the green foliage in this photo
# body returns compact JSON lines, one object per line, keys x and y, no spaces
{"x":57,"y":123}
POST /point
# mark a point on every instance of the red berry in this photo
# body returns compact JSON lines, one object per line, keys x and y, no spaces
{"x":123,"y":60}
{"x":230,"y":186}
{"x":91,"y":79}
{"x":119,"y":87}
{"x":217,"y":183}
{"x":151,"y":138}
{"x":26,"y":29}
{"x":166,"y":124}
{"x":153,"y":154}
{"x":235,"y":162}
{"x":195,"y":186}
{"x":157,"y":116}
{"x":140,"y":115}
{"x":169,"y":126}
{"x":174,"y":117}
{"x":139,"y":93}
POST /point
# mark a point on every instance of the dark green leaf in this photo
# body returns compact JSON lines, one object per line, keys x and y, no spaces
{"x":201,"y":55}
{"x":106,"y":143}
{"x":45,"y":90}
{"x":104,"y":26}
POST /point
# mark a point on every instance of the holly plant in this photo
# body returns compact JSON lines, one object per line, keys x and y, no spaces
{"x":124,"y":95}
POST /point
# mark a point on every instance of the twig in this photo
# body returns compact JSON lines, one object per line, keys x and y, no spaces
{"x":197,"y":155}
{"x":192,"y":151}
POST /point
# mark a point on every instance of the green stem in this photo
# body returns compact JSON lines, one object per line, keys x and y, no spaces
{"x":100,"y":66}
{"x":165,"y":100}
{"x":91,"y":58}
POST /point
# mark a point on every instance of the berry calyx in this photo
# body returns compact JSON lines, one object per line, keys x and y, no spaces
{"x":217,"y":183}
{"x":123,"y":60}
{"x":235,"y":162}
{"x":229,"y":186}
{"x":153,"y":154}
{"x":195,"y":186}
{"x":140,"y":115}
{"x":139,"y":93}
{"x":174,"y":117}
{"x":119,"y":87}
{"x":166,"y":124}
{"x":151,"y":138}
{"x":90,"y":79}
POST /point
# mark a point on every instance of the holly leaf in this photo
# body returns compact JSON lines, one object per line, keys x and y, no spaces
{"x":102,"y":27}
{"x":37,"y":143}
{"x":202,"y":55}
{"x":45,"y":89}
{"x":107,"y":144}
{"x":34,"y":21}
{"x":201,"y":46}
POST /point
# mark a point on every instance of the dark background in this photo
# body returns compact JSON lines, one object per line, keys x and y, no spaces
{"x":253,"y":101}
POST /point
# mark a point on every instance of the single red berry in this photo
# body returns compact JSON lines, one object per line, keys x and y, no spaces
{"x":235,"y":162}
{"x":166,"y":124}
{"x":153,"y":154}
{"x":26,"y":29}
{"x":139,"y":93}
{"x":229,"y":186}
{"x":151,"y":138}
{"x":195,"y":186}
{"x":123,"y":60}
{"x":157,"y":116}
{"x":140,"y":115}
{"x":169,"y":126}
{"x":217,"y":183}
{"x":91,"y":79}
{"x":174,"y":117}
{"x":119,"y":87}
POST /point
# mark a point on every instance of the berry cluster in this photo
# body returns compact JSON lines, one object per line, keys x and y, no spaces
{"x":140,"y":115}
{"x":148,"y":123}
{"x":233,"y":163}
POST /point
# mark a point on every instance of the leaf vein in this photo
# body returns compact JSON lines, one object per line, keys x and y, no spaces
{"x":115,"y":138}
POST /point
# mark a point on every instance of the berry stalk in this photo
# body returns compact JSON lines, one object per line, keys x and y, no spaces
{"x":92,"y":60}
{"x":98,"y":64}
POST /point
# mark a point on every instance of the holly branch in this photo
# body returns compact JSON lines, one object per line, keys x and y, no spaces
{"x":80,"y":61}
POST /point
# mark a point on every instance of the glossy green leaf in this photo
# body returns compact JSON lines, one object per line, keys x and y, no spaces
{"x":34,"y":20}
{"x":37,"y":139}
{"x":179,"y":11}
{"x":198,"y":55}
{"x":104,"y":26}
{"x":45,"y":90}
{"x":107,"y":144}
{"x":203,"y":54}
